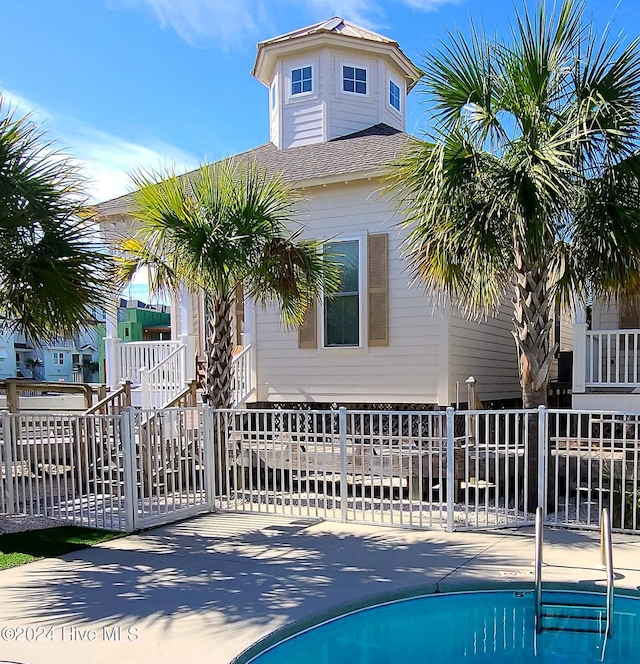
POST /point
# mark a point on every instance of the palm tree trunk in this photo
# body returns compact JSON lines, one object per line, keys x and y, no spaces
{"x":532,"y":325}
{"x":218,"y":350}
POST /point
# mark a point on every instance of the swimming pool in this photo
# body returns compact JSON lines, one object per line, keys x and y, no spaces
{"x":491,"y":626}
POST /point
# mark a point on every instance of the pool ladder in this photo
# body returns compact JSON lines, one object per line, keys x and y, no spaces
{"x":575,"y":617}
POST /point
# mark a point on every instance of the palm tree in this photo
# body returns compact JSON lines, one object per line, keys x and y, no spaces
{"x":52,"y":273}
{"x":222,"y":225}
{"x":529,"y":181}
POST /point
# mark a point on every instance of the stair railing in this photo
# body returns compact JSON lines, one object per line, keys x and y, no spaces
{"x":606,"y":548}
{"x":538,"y":567}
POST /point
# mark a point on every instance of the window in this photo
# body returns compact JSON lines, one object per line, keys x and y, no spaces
{"x":58,"y":358}
{"x":394,"y":95}
{"x":301,"y":80}
{"x":273,"y":95}
{"x":354,"y":79}
{"x":342,"y":308}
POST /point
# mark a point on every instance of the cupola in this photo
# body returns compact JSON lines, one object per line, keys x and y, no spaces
{"x":332,"y":79}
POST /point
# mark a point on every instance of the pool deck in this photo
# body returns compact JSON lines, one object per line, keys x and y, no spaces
{"x":203,"y":590}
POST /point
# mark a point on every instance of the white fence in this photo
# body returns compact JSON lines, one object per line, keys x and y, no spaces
{"x":430,"y":469}
{"x":117,"y":472}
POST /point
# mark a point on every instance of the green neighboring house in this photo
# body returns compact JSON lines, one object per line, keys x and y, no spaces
{"x":137,"y":321}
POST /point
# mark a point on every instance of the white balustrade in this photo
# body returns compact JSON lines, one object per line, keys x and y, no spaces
{"x":612,"y":358}
{"x":242,"y":382}
{"x":138,"y":355}
{"x":165,"y":381}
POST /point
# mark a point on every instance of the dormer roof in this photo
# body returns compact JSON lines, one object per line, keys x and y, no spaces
{"x":336,"y":31}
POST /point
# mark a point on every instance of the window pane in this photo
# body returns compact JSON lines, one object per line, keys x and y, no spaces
{"x":361,"y":88}
{"x":306,"y":73}
{"x":346,"y":254}
{"x":394,"y":95}
{"x":296,"y":75}
{"x":348,"y":86}
{"x":296,"y":88}
{"x":342,"y":308}
{"x":347,"y":72}
{"x":306,"y":86}
{"x":342,"y":321}
{"x":361,"y":74}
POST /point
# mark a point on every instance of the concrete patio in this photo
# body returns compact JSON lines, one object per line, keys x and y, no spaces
{"x":204,"y":590}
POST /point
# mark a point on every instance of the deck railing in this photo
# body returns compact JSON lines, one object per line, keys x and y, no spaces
{"x":612,"y":358}
{"x":137,"y":355}
{"x":163,"y":382}
{"x":242,"y":386}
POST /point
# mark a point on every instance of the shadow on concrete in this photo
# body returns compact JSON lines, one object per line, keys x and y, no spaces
{"x":261,"y":572}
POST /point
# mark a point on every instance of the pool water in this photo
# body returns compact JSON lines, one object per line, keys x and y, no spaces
{"x":495,"y":626}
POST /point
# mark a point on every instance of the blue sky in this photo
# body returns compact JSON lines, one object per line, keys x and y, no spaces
{"x":127,"y":83}
{"x":124,"y":84}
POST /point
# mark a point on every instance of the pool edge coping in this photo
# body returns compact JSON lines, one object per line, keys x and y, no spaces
{"x":293,"y":628}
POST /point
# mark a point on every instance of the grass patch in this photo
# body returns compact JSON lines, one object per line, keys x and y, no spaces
{"x":20,"y":548}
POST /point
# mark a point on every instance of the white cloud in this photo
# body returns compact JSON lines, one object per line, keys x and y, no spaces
{"x":429,"y":5}
{"x":106,"y":160}
{"x":237,"y":23}
{"x":226,"y":22}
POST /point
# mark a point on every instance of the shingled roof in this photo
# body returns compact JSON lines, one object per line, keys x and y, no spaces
{"x":365,"y":152}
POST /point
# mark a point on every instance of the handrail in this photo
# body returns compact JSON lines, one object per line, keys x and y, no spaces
{"x":607,"y":560}
{"x":242,"y":353}
{"x":170,"y":356}
{"x":538,"y":567}
{"x":144,"y":344}
{"x":125,"y":389}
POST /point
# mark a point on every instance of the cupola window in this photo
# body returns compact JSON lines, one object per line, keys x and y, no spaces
{"x":301,"y":80}
{"x":354,"y":79}
{"x":394,"y":95}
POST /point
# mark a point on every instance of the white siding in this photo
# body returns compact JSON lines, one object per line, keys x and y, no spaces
{"x":389,"y":115}
{"x":275,"y":111}
{"x":605,"y":316}
{"x":485,"y":350}
{"x":302,"y":115}
{"x":406,"y":371}
{"x":567,"y":325}
{"x":302,"y":123}
{"x":351,"y":112}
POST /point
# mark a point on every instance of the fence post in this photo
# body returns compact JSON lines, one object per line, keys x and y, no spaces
{"x":145,"y":389}
{"x":112,"y":361}
{"x":129,"y":460}
{"x":7,"y":427}
{"x":342,"y":424}
{"x":451,"y":488}
{"x":542,"y":458}
{"x":209,"y":456}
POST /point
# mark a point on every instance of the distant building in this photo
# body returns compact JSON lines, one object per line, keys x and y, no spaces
{"x":138,"y":321}
{"x":62,"y":360}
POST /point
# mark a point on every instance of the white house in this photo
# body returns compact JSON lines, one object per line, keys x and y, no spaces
{"x":336,"y":106}
{"x":606,"y":358}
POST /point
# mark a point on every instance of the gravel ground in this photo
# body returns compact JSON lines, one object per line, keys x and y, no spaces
{"x":19,"y":523}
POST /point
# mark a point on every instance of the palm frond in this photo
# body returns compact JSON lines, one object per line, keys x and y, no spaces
{"x":53,"y":272}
